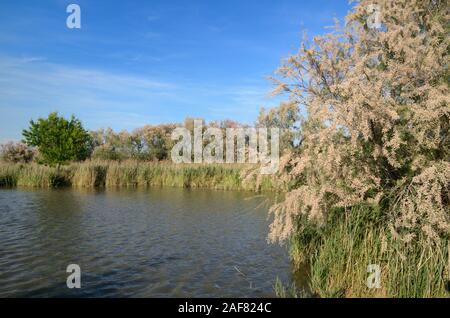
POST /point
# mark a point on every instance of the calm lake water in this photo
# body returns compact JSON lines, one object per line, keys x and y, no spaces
{"x":137,"y":243}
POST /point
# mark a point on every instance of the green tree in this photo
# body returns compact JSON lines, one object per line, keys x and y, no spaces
{"x":286,"y":117}
{"x":59,"y":140}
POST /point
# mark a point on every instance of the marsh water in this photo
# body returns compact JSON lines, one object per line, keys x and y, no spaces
{"x":137,"y":243}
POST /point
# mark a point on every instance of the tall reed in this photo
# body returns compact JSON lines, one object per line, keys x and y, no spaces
{"x":92,"y":174}
{"x":340,"y":252}
{"x":9,"y":174}
{"x":88,"y":174}
{"x":33,"y":175}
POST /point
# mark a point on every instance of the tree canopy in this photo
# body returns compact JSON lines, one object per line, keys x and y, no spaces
{"x":58,"y":140}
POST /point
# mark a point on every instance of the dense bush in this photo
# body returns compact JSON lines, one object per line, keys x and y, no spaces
{"x":154,"y":142}
{"x":106,"y":152}
{"x":58,"y":140}
{"x":16,"y":152}
{"x":369,"y":183}
{"x":377,"y":129}
{"x":285,"y":117}
{"x":149,"y":143}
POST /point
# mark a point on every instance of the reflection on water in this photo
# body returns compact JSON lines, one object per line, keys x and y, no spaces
{"x":137,"y":243}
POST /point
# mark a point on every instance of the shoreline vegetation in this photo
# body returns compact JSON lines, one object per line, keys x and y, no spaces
{"x":98,"y":174}
{"x":365,"y":155}
{"x":335,"y":255}
{"x":338,"y":254}
{"x":371,"y":196}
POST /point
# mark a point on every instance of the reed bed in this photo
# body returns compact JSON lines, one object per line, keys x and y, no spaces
{"x":9,"y":175}
{"x":32,"y":175}
{"x":338,"y":255}
{"x":93,"y":174}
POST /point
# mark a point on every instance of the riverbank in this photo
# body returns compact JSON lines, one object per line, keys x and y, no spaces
{"x":345,"y":253}
{"x":335,"y":256}
{"x":92,"y":174}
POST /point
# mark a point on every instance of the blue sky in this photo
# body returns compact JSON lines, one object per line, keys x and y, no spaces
{"x":146,"y":62}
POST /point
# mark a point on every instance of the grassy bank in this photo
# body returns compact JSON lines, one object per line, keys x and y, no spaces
{"x":339,"y":253}
{"x":130,"y":173}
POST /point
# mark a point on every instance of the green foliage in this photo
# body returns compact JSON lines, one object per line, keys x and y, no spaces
{"x":339,"y":252}
{"x":283,"y":291}
{"x":154,"y":142}
{"x":286,"y":117}
{"x":106,"y":152}
{"x":148,"y":143}
{"x":59,"y":140}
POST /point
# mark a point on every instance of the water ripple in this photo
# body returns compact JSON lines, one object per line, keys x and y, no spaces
{"x":136,"y":243}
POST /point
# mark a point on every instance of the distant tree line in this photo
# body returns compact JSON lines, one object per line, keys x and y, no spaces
{"x":55,"y":140}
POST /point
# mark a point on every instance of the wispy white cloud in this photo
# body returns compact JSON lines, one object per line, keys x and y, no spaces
{"x":32,"y":86}
{"x":23,"y":73}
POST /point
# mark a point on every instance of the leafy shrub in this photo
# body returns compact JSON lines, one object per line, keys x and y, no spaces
{"x":105,"y":152}
{"x":16,"y":152}
{"x":58,"y":140}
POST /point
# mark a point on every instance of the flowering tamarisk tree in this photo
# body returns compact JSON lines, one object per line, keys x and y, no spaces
{"x":377,"y":126}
